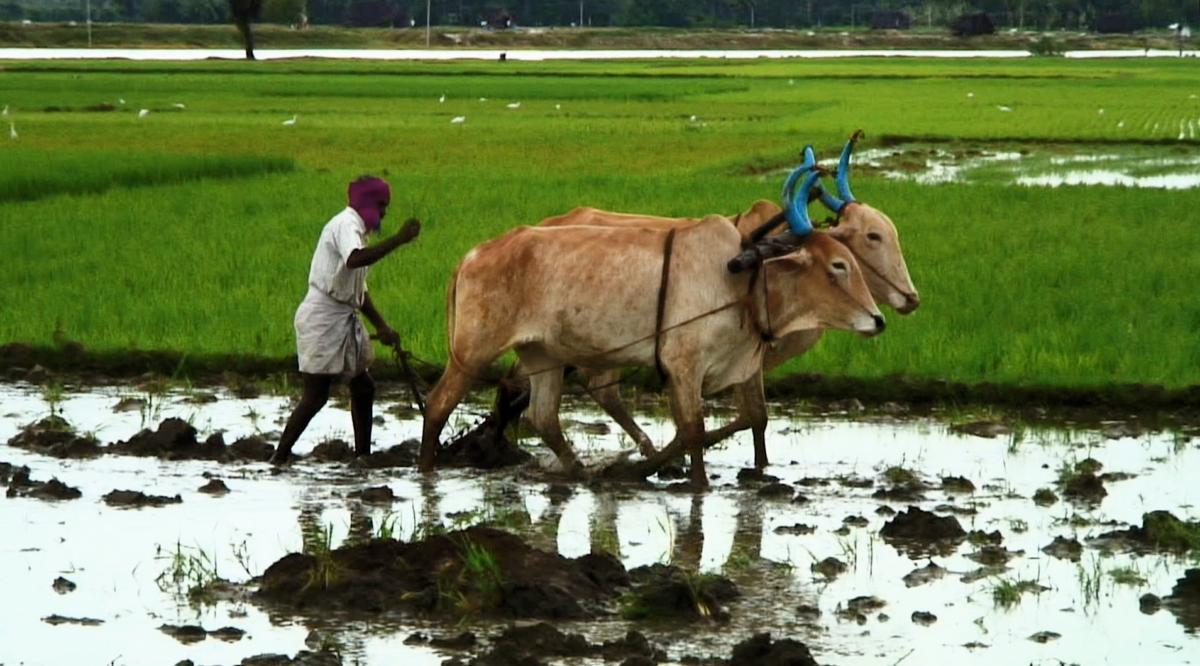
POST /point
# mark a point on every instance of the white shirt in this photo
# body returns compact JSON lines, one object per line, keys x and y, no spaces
{"x":328,"y":274}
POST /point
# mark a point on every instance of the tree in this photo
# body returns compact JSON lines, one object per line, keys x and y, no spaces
{"x":244,"y":12}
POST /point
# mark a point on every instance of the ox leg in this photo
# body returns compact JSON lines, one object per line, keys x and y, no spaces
{"x":442,"y":400}
{"x":752,"y":403}
{"x":687,"y":407}
{"x":545,"y":390}
{"x":604,"y":389}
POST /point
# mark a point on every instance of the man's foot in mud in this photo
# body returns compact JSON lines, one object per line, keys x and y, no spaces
{"x":281,"y":459}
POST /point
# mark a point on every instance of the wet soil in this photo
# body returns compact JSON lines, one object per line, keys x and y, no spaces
{"x":1184,"y":600}
{"x":53,"y":436}
{"x":24,"y":362}
{"x":440,"y":575}
{"x":918,"y":531}
{"x":664,"y":591}
{"x":1159,"y":531}
{"x":21,"y":485}
{"x":136,"y":499}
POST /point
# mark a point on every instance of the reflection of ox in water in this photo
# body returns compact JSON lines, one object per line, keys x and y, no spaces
{"x":868,"y":233}
{"x":585,"y":296}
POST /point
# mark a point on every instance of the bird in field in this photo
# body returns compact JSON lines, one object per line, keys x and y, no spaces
{"x":179,"y":105}
{"x":693,"y":118}
{"x":483,"y":99}
{"x":12,"y":131}
{"x":970,"y":94}
{"x":442,"y":98}
{"x":1003,"y":108}
{"x":558,"y":107}
{"x":121,"y":101}
{"x":514,"y":105}
{"x":458,"y":120}
{"x":143,"y":113}
{"x":1101,"y":112}
{"x":1120,"y":124}
{"x":5,"y":111}
{"x":289,"y":122}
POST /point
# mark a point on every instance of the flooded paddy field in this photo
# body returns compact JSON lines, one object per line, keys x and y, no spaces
{"x":1044,"y":164}
{"x":1006,"y":566}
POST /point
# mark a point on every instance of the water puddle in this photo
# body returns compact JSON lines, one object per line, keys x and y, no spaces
{"x":1041,"y":164}
{"x":763,"y":536}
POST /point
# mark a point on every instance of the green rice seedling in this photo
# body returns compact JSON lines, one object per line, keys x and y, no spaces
{"x":387,"y":526}
{"x":1090,"y":577}
{"x":1127,"y":576}
{"x":53,"y":394}
{"x":1007,"y":592}
{"x":241,"y":555}
{"x":326,"y":570}
{"x":187,"y":572}
{"x":477,"y":585}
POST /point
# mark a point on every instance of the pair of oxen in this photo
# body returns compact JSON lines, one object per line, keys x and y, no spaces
{"x":590,"y":289}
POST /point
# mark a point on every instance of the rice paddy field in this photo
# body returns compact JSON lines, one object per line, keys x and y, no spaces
{"x":151,"y":206}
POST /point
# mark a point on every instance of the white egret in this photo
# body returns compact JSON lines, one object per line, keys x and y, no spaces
{"x":12,"y":131}
{"x":4,"y":113}
{"x":1003,"y":108}
{"x":514,"y":105}
{"x":458,"y":120}
{"x":289,"y":122}
{"x":121,"y":101}
{"x":483,"y":99}
{"x":143,"y":113}
{"x":970,"y":94}
{"x":442,"y":98}
{"x":558,"y":107}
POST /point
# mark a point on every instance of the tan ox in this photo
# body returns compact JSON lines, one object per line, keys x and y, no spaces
{"x":868,"y":233}
{"x":587,"y":296}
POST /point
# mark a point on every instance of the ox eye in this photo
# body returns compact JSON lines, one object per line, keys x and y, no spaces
{"x":839,"y":266}
{"x":874,"y":237}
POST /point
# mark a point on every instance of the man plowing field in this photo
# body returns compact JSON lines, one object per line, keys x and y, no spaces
{"x":331,"y":343}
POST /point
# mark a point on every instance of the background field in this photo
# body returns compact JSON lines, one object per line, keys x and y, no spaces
{"x":191,"y":229}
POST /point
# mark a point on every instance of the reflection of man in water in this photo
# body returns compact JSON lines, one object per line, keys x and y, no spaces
{"x":331,"y":342}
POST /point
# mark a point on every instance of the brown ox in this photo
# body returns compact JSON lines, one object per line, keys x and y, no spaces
{"x":587,"y":296}
{"x":868,"y":233}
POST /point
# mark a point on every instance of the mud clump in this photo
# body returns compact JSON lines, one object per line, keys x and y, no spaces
{"x":667,"y":591}
{"x":1160,"y":530}
{"x":62,"y":585}
{"x":479,"y":570}
{"x":1084,"y":487}
{"x":483,"y":447}
{"x":174,"y":439}
{"x":760,"y":650}
{"x":53,"y":436}
{"x":302,"y":658}
{"x":82,"y":621}
{"x":332,"y":450}
{"x":403,"y":454}
{"x":776,"y":490}
{"x":1044,"y":497}
{"x":830,"y":567}
{"x":20,"y":485}
{"x":1184,"y":600}
{"x":1064,"y":549}
{"x":214,"y":487}
{"x":529,"y":644}
{"x":923,"y":575}
{"x":923,"y":618}
{"x":957,"y":484}
{"x":136,"y":499}
{"x":375,"y":495}
{"x":916,"y":530}
{"x":191,"y":633}
{"x":986,"y":429}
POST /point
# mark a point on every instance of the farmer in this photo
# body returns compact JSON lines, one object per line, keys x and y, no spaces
{"x":331,"y":342}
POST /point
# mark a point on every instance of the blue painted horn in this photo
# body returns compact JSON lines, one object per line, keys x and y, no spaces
{"x":795,"y":204}
{"x":845,"y":196}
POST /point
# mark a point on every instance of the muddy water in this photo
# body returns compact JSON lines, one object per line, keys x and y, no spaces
{"x":114,"y":556}
{"x":1047,"y":164}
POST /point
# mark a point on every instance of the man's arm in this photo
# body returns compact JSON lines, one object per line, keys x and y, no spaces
{"x":365,"y":256}
{"x":384,"y":332}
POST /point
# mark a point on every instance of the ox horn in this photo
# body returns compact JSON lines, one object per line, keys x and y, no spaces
{"x":796,"y":202}
{"x":844,"y":195}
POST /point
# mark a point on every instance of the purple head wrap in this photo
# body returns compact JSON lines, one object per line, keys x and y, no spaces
{"x":367,"y":196}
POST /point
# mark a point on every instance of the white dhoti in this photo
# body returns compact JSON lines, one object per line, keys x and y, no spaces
{"x":330,"y":338}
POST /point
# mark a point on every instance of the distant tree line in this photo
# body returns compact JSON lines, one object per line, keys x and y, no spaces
{"x":1117,"y":15}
